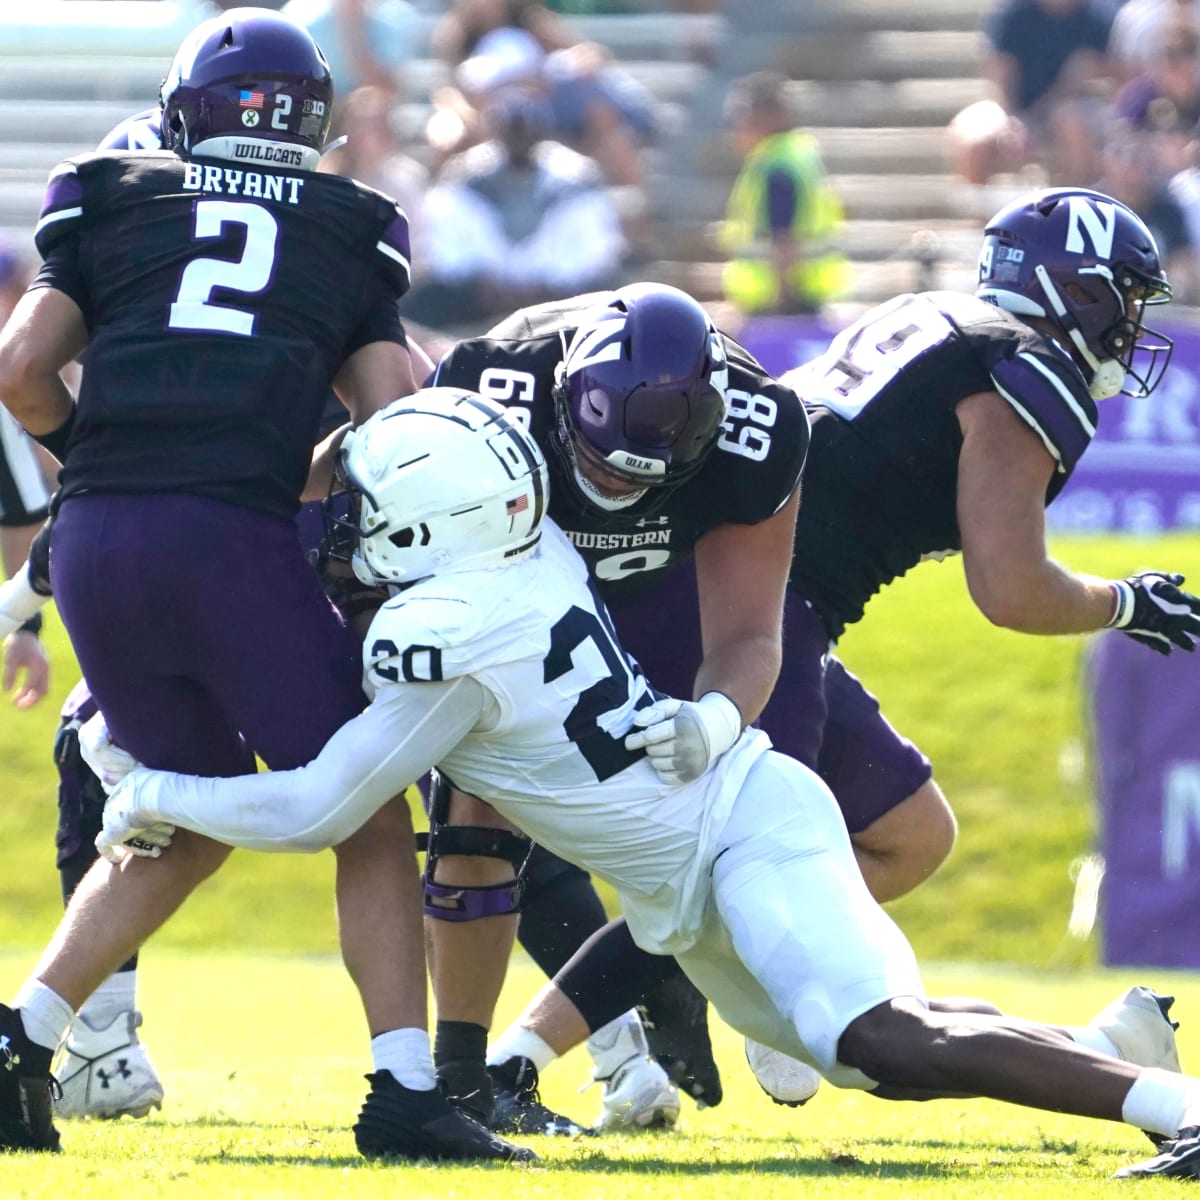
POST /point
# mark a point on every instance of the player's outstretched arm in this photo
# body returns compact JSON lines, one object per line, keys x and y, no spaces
{"x":1004,"y":471}
{"x":404,"y":732}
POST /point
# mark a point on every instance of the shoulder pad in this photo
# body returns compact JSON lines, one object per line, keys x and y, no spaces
{"x":550,"y":318}
{"x":424,"y":634}
{"x":1048,"y":393}
{"x":393,"y":246}
{"x":62,"y":205}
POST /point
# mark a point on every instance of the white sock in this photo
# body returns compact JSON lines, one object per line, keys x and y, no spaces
{"x":1093,"y":1039}
{"x":606,"y":1036}
{"x":1161,"y":1101}
{"x":407,"y":1054}
{"x":116,"y":995}
{"x":44,"y":1013}
{"x":518,"y":1042}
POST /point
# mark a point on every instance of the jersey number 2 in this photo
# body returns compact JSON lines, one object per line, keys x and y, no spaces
{"x":250,"y":274}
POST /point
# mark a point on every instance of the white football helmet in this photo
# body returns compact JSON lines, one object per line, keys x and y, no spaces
{"x":440,"y":481}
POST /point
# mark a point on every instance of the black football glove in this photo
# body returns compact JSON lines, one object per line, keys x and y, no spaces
{"x":39,"y":560}
{"x":1153,"y":609}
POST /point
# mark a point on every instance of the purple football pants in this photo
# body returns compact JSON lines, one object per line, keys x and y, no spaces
{"x":202,"y":631}
{"x":819,"y":712}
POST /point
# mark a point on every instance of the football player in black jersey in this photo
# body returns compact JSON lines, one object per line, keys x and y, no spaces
{"x":941,"y":423}
{"x":666,"y":440}
{"x":217,"y":289}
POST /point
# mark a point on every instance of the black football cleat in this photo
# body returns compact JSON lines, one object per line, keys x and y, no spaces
{"x":675,"y":1015}
{"x":399,"y":1122}
{"x":519,"y":1107}
{"x":26,"y":1089}
{"x":1178,"y":1156}
{"x":466,"y":1083}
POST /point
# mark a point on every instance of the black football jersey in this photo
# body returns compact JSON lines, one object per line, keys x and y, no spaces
{"x":747,"y":478}
{"x":882,"y":477}
{"x":221,"y":302}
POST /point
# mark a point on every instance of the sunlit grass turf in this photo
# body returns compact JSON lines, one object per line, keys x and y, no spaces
{"x":262,"y":1058}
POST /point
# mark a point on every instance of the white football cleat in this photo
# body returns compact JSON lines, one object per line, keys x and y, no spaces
{"x":786,"y":1080}
{"x":106,"y":1073}
{"x":638,"y":1094}
{"x":1139,"y":1026}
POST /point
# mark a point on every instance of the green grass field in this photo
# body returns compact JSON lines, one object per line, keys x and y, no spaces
{"x":262,"y":1058}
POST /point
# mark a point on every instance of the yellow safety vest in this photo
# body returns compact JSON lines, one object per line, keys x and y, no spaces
{"x":749,"y":277}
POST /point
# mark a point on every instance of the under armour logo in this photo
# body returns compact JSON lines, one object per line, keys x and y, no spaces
{"x":641,"y":524}
{"x":10,"y":1059}
{"x":122,"y":1072}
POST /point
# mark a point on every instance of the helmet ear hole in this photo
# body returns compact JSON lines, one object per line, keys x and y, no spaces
{"x":405,"y":539}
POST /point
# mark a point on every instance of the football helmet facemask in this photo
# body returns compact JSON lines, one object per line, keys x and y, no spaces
{"x":640,"y":394}
{"x":440,"y":481}
{"x":249,"y":85}
{"x":1089,"y":265}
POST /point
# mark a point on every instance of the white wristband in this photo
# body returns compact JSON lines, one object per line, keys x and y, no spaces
{"x":1123,"y":613}
{"x":18,"y":601}
{"x":722,"y":722}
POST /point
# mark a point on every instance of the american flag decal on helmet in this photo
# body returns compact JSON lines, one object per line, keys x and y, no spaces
{"x":251,"y":99}
{"x":520,"y":504}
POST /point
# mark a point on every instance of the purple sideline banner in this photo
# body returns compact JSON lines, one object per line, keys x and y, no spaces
{"x":1146,"y":761}
{"x":1141,"y":473}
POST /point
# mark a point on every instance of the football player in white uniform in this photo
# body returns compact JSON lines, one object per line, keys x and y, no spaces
{"x":495,"y":662}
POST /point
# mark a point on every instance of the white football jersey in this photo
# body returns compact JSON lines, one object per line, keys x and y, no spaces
{"x":511,"y":682}
{"x":549,"y":752}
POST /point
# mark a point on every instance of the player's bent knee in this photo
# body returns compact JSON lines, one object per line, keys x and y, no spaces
{"x":908,"y":843}
{"x":472,"y":869}
{"x":889,"y":1042}
{"x":473,"y":872}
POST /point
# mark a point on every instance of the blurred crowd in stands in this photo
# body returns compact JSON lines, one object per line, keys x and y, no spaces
{"x":528,"y":168}
{"x":527,"y":179}
{"x":1094,"y":92}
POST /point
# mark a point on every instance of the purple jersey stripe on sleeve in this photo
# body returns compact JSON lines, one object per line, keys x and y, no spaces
{"x":62,"y":205}
{"x":1062,"y":416}
{"x":395,"y":237}
{"x":62,"y":191}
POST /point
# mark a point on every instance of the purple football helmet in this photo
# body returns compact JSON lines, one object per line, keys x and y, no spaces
{"x":1089,"y":265}
{"x":640,"y":394}
{"x":251,"y":85}
{"x":142,"y":131}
